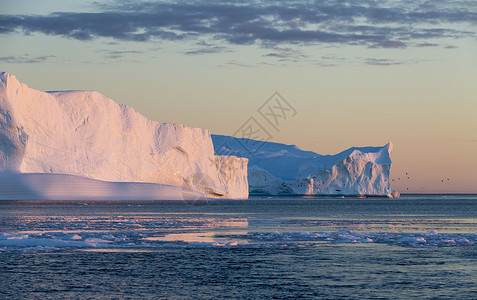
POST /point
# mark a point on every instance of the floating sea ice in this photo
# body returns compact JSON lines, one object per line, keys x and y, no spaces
{"x":345,"y":236}
{"x":13,"y":236}
{"x":447,"y":243}
{"x":96,"y":242}
{"x":322,"y":234}
{"x":412,"y":239}
{"x":464,"y":241}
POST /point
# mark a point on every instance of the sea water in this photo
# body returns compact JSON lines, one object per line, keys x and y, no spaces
{"x":416,"y":246}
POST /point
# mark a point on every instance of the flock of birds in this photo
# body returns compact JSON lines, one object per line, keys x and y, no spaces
{"x":445,"y":180}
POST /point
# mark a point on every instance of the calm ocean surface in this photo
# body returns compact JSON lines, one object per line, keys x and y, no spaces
{"x":417,"y":246}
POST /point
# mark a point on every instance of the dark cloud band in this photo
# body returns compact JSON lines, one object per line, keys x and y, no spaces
{"x":385,"y":24}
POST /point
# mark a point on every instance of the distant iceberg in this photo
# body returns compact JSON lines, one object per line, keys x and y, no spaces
{"x":279,"y":169}
{"x":85,"y":134}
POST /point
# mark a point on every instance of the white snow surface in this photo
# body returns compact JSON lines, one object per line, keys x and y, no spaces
{"x":279,"y":169}
{"x":86,"y":134}
{"x":45,"y":186}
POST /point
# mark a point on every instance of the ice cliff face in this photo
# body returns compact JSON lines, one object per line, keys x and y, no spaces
{"x":232,"y":173}
{"x":279,"y":169}
{"x":86,"y":134}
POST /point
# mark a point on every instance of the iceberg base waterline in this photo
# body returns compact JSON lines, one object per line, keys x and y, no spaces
{"x":36,"y":186}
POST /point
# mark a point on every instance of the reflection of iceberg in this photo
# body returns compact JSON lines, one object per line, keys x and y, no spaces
{"x":45,"y":234}
{"x":209,"y":237}
{"x":132,"y":232}
{"x":48,"y":241}
{"x":279,"y":169}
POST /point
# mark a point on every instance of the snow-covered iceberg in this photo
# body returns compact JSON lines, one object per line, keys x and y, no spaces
{"x":86,"y":134}
{"x":279,"y":169}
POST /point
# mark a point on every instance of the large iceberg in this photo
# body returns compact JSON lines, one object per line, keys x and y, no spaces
{"x":86,"y":134}
{"x":279,"y":169}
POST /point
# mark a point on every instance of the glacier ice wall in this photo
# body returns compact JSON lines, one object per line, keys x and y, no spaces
{"x":279,"y":169}
{"x":232,"y":173}
{"x":86,"y":134}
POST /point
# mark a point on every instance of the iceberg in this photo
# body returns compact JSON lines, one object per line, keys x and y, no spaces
{"x":279,"y":169}
{"x":87,"y":135}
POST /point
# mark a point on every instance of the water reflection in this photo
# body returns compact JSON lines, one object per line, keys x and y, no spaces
{"x":202,"y":237}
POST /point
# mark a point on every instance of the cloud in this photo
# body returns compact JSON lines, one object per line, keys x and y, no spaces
{"x":388,"y":44}
{"x":382,"y":62}
{"x":116,"y":54}
{"x":238,"y":64}
{"x":25,"y":59}
{"x":207,"y":50}
{"x":376,"y":24}
{"x":427,"y":45}
{"x":286,"y":53}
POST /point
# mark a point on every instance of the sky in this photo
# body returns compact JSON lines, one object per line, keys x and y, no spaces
{"x":354,"y":73}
